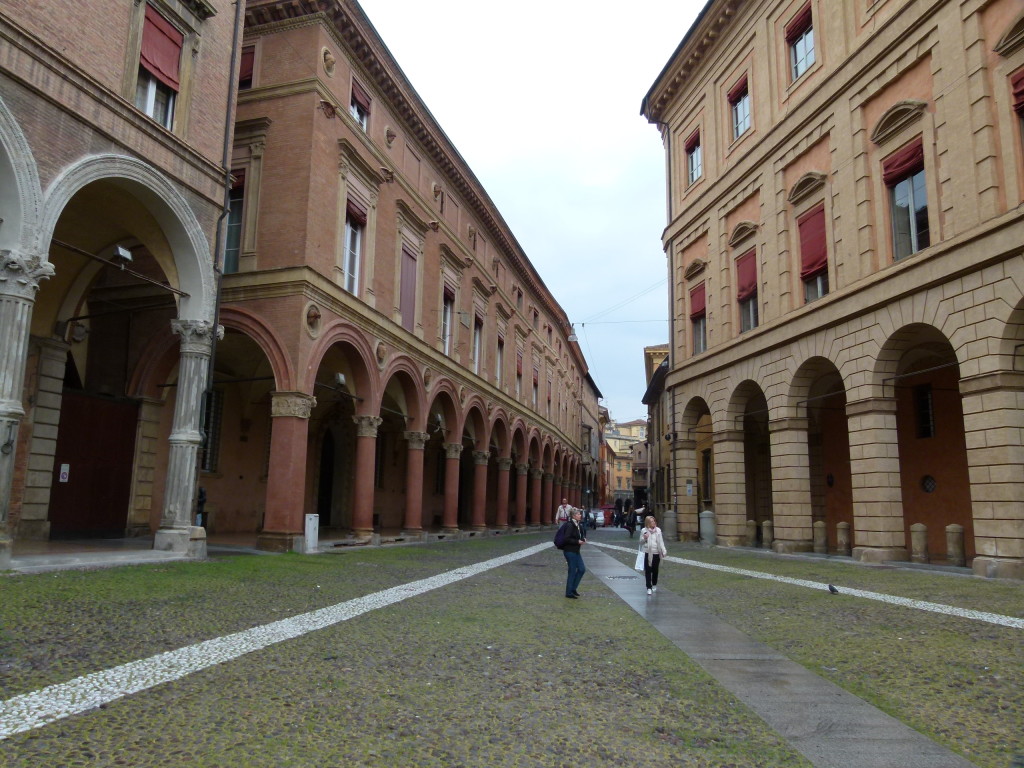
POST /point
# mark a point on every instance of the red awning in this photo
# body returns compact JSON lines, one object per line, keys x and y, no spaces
{"x":693,"y":142}
{"x":800,"y":24}
{"x":360,"y":97}
{"x":1017,"y":82}
{"x":697,"y":301}
{"x":248,"y":59}
{"x":904,"y":162}
{"x":239,"y":182}
{"x":813,"y":247}
{"x":356,"y":210}
{"x":746,"y":276}
{"x":161,"y":48}
{"x":737,"y":90}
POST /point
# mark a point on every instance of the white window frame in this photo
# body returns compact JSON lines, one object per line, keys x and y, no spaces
{"x":816,"y":286}
{"x":234,"y":230}
{"x":700,"y":334}
{"x":801,"y":53}
{"x":694,"y":163}
{"x":748,"y":314}
{"x":352,"y":252}
{"x":740,"y":109}
{"x":447,"y":320}
{"x":478,"y":337}
{"x":912,"y":236}
{"x":361,"y":116}
{"x":146,"y":91}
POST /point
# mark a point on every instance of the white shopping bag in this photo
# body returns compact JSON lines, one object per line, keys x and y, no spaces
{"x":639,"y":564}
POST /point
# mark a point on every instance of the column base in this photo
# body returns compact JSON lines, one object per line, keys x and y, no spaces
{"x":728,"y":540}
{"x":33,"y":530}
{"x":880,"y":554}
{"x":415,"y":534}
{"x":998,"y":567}
{"x":190,"y":541}
{"x":281,"y":542}
{"x":6,"y":545}
{"x":783,"y":547}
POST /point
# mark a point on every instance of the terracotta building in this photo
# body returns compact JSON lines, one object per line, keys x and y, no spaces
{"x":845,"y":253}
{"x":390,"y":358}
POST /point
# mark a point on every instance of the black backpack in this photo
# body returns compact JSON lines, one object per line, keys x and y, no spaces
{"x":560,"y":535}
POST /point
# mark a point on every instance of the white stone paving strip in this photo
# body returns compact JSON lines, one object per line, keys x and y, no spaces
{"x":921,"y":605}
{"x":36,"y":709}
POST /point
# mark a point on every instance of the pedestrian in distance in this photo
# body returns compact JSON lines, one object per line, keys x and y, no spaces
{"x":630,"y":524}
{"x":652,"y":543}
{"x":618,"y":514}
{"x":563,"y":511}
{"x":575,"y":536}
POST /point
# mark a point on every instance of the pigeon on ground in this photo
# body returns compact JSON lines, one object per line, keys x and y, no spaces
{"x":833,"y":590}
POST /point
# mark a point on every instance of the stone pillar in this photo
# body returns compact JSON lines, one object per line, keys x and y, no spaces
{"x":730,"y":487}
{"x":415,"y":443}
{"x":791,"y":485}
{"x":19,"y":282}
{"x":366,"y":459}
{"x":558,"y":491}
{"x":535,"y":477}
{"x":501,"y":516}
{"x":283,"y":517}
{"x":175,"y":533}
{"x":994,"y":430}
{"x":919,"y":543}
{"x":481,"y":460}
{"x":683,"y":498}
{"x":546,"y":504}
{"x":521,"y":470}
{"x":955,"y":545}
{"x":820,"y":537}
{"x":147,"y":439}
{"x":875,"y":475}
{"x":842,"y":538}
{"x":751,"y":540}
{"x":452,"y":452}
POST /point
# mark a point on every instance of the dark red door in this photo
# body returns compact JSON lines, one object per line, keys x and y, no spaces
{"x":96,"y":443}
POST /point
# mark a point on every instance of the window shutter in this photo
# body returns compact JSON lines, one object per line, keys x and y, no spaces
{"x":161,"y":48}
{"x":245,"y":70}
{"x":1017,"y":82}
{"x":800,"y":24}
{"x":697,"y":301}
{"x":519,"y":363}
{"x":356,"y":211}
{"x":360,"y":97}
{"x":746,"y":276}
{"x":693,"y":142}
{"x":813,"y":248}
{"x":903,"y":163}
{"x":737,"y":90}
{"x":239,"y":182}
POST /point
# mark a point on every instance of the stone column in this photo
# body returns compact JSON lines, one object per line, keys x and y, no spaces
{"x":521,"y":470}
{"x":994,"y":430}
{"x":535,"y":477}
{"x":481,"y":460}
{"x":791,"y":486}
{"x":875,"y":474}
{"x":546,"y":504}
{"x":175,"y":533}
{"x":730,"y":487}
{"x":284,"y":510}
{"x":452,"y":452}
{"x":19,"y":282}
{"x":558,"y":492}
{"x":683,"y":498}
{"x":415,"y":442}
{"x":501,"y":516}
{"x":366,"y":458}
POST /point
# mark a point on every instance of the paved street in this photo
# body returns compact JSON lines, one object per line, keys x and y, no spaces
{"x":466,"y":654}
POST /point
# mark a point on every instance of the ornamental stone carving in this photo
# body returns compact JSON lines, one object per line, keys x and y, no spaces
{"x":20,"y":274}
{"x":481,"y":457}
{"x":522,"y":469}
{"x":416,"y":440}
{"x":452,"y":450}
{"x":196,"y":335}
{"x":382,"y":353}
{"x":366,"y":426}
{"x":295,"y":404}
{"x":504,"y":464}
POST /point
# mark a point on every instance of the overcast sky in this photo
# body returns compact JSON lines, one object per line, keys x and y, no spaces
{"x":542,"y":99}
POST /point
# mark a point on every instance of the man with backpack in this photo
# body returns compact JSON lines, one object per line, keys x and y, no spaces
{"x":568,"y":539}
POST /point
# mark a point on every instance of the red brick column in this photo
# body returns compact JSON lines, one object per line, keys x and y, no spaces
{"x":521,"y":470}
{"x":535,"y":476}
{"x":481,"y":460}
{"x":415,"y":442}
{"x":452,"y":451}
{"x":366,"y":457}
{"x":286,"y":483}
{"x":546,"y":510}
{"x":501,"y":517}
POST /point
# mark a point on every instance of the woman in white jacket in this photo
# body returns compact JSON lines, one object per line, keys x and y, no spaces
{"x":652,"y":544}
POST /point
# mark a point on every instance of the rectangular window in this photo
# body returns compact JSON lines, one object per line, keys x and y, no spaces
{"x":407,"y":305}
{"x":210,"y":457}
{"x":536,"y":388}
{"x":739,"y":103}
{"x":159,"y":64}
{"x":478,"y":340}
{"x":800,"y":39}
{"x":447,"y":318}
{"x":813,"y":253}
{"x":698,"y":319}
{"x":1017,"y":93}
{"x":519,"y":374}
{"x":499,"y":363}
{"x":355,"y":228}
{"x":694,"y":158}
{"x":903,"y":173}
{"x":246,"y":68}
{"x":233,"y":240}
{"x":746,"y":290}
{"x":924,"y":410}
{"x":359,"y":105}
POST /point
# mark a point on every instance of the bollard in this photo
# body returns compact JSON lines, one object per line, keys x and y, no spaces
{"x":955,"y":545}
{"x":843,"y":538}
{"x":919,"y":543}
{"x":707,"y":527}
{"x":751,"y":533}
{"x":820,"y":538}
{"x":767,"y":534}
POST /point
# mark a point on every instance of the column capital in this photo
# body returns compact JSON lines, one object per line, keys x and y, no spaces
{"x":871,"y":405}
{"x":790,"y":422}
{"x":452,"y":450}
{"x":196,"y":335}
{"x":416,"y":440}
{"x":481,"y":457}
{"x":727,"y":436}
{"x":20,"y":274}
{"x":522,"y":469}
{"x":504,"y":464}
{"x":536,"y":473}
{"x":296,"y":404}
{"x":366,"y":426}
{"x":548,"y":476}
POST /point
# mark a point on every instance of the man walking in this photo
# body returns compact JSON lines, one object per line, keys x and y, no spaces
{"x":574,"y":537}
{"x":562,"y":513}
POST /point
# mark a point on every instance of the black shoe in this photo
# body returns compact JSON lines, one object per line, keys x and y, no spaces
{"x":571,"y":597}
{"x":575,"y":594}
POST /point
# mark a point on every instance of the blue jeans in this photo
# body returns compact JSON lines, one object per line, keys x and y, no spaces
{"x":576,"y":571}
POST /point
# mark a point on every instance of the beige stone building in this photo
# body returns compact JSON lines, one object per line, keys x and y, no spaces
{"x":845,"y":245}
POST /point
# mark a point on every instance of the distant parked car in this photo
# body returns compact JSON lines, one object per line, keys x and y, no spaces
{"x":599,"y":518}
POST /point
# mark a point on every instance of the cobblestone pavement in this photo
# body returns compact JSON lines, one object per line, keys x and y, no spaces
{"x":497,"y":669}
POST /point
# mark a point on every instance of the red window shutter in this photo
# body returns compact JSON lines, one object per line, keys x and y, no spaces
{"x":519,"y":363}
{"x":245,"y":70}
{"x":161,"y":48}
{"x":356,"y":211}
{"x":239,"y":182}
{"x":1017,"y":82}
{"x":746,"y":276}
{"x":800,"y":24}
{"x":536,"y":377}
{"x":697,"y":301}
{"x":693,"y":142}
{"x":408,"y":289}
{"x":360,"y":97}
{"x":902,"y":163}
{"x":813,"y":248}
{"x":737,"y":90}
